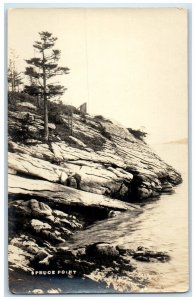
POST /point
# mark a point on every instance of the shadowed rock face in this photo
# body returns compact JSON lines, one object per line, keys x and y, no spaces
{"x":59,"y":187}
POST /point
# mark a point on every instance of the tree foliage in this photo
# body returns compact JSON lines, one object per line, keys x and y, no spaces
{"x":138,"y":134}
{"x":42,"y":69}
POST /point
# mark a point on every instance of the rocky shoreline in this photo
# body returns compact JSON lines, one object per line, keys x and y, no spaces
{"x":63,"y":186}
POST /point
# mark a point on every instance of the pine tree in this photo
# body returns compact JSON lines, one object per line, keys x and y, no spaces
{"x":41,"y":69}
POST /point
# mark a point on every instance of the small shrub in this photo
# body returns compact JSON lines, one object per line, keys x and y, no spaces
{"x":56,"y":110}
{"x":138,"y":134}
{"x":14,"y":97}
{"x":55,"y":117}
{"x":101,"y":118}
{"x":62,"y":108}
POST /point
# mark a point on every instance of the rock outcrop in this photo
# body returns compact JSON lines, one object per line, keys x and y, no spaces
{"x":59,"y":187}
{"x":122,"y":167}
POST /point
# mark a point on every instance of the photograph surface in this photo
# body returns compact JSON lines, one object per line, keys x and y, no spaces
{"x":97,"y":150}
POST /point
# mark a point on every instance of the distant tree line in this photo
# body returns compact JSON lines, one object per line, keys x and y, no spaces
{"x":14,"y":77}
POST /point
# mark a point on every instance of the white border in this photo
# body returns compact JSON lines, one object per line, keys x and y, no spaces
{"x":3,"y":255}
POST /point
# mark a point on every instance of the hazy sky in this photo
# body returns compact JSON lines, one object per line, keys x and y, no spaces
{"x":127,"y":64}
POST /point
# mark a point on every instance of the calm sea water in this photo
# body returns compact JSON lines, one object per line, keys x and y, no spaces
{"x":162,"y":226}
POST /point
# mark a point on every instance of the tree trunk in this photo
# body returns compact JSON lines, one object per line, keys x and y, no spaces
{"x":46,"y":133}
{"x":12,"y":89}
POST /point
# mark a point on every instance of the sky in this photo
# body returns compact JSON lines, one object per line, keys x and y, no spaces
{"x":128,"y":64}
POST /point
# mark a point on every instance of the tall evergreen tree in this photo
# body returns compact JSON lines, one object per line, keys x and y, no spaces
{"x":41,"y":69}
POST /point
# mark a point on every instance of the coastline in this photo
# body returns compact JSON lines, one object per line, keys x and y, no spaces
{"x":59,"y":188}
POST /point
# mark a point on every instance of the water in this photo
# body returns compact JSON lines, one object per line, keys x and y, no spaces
{"x":162,"y":226}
